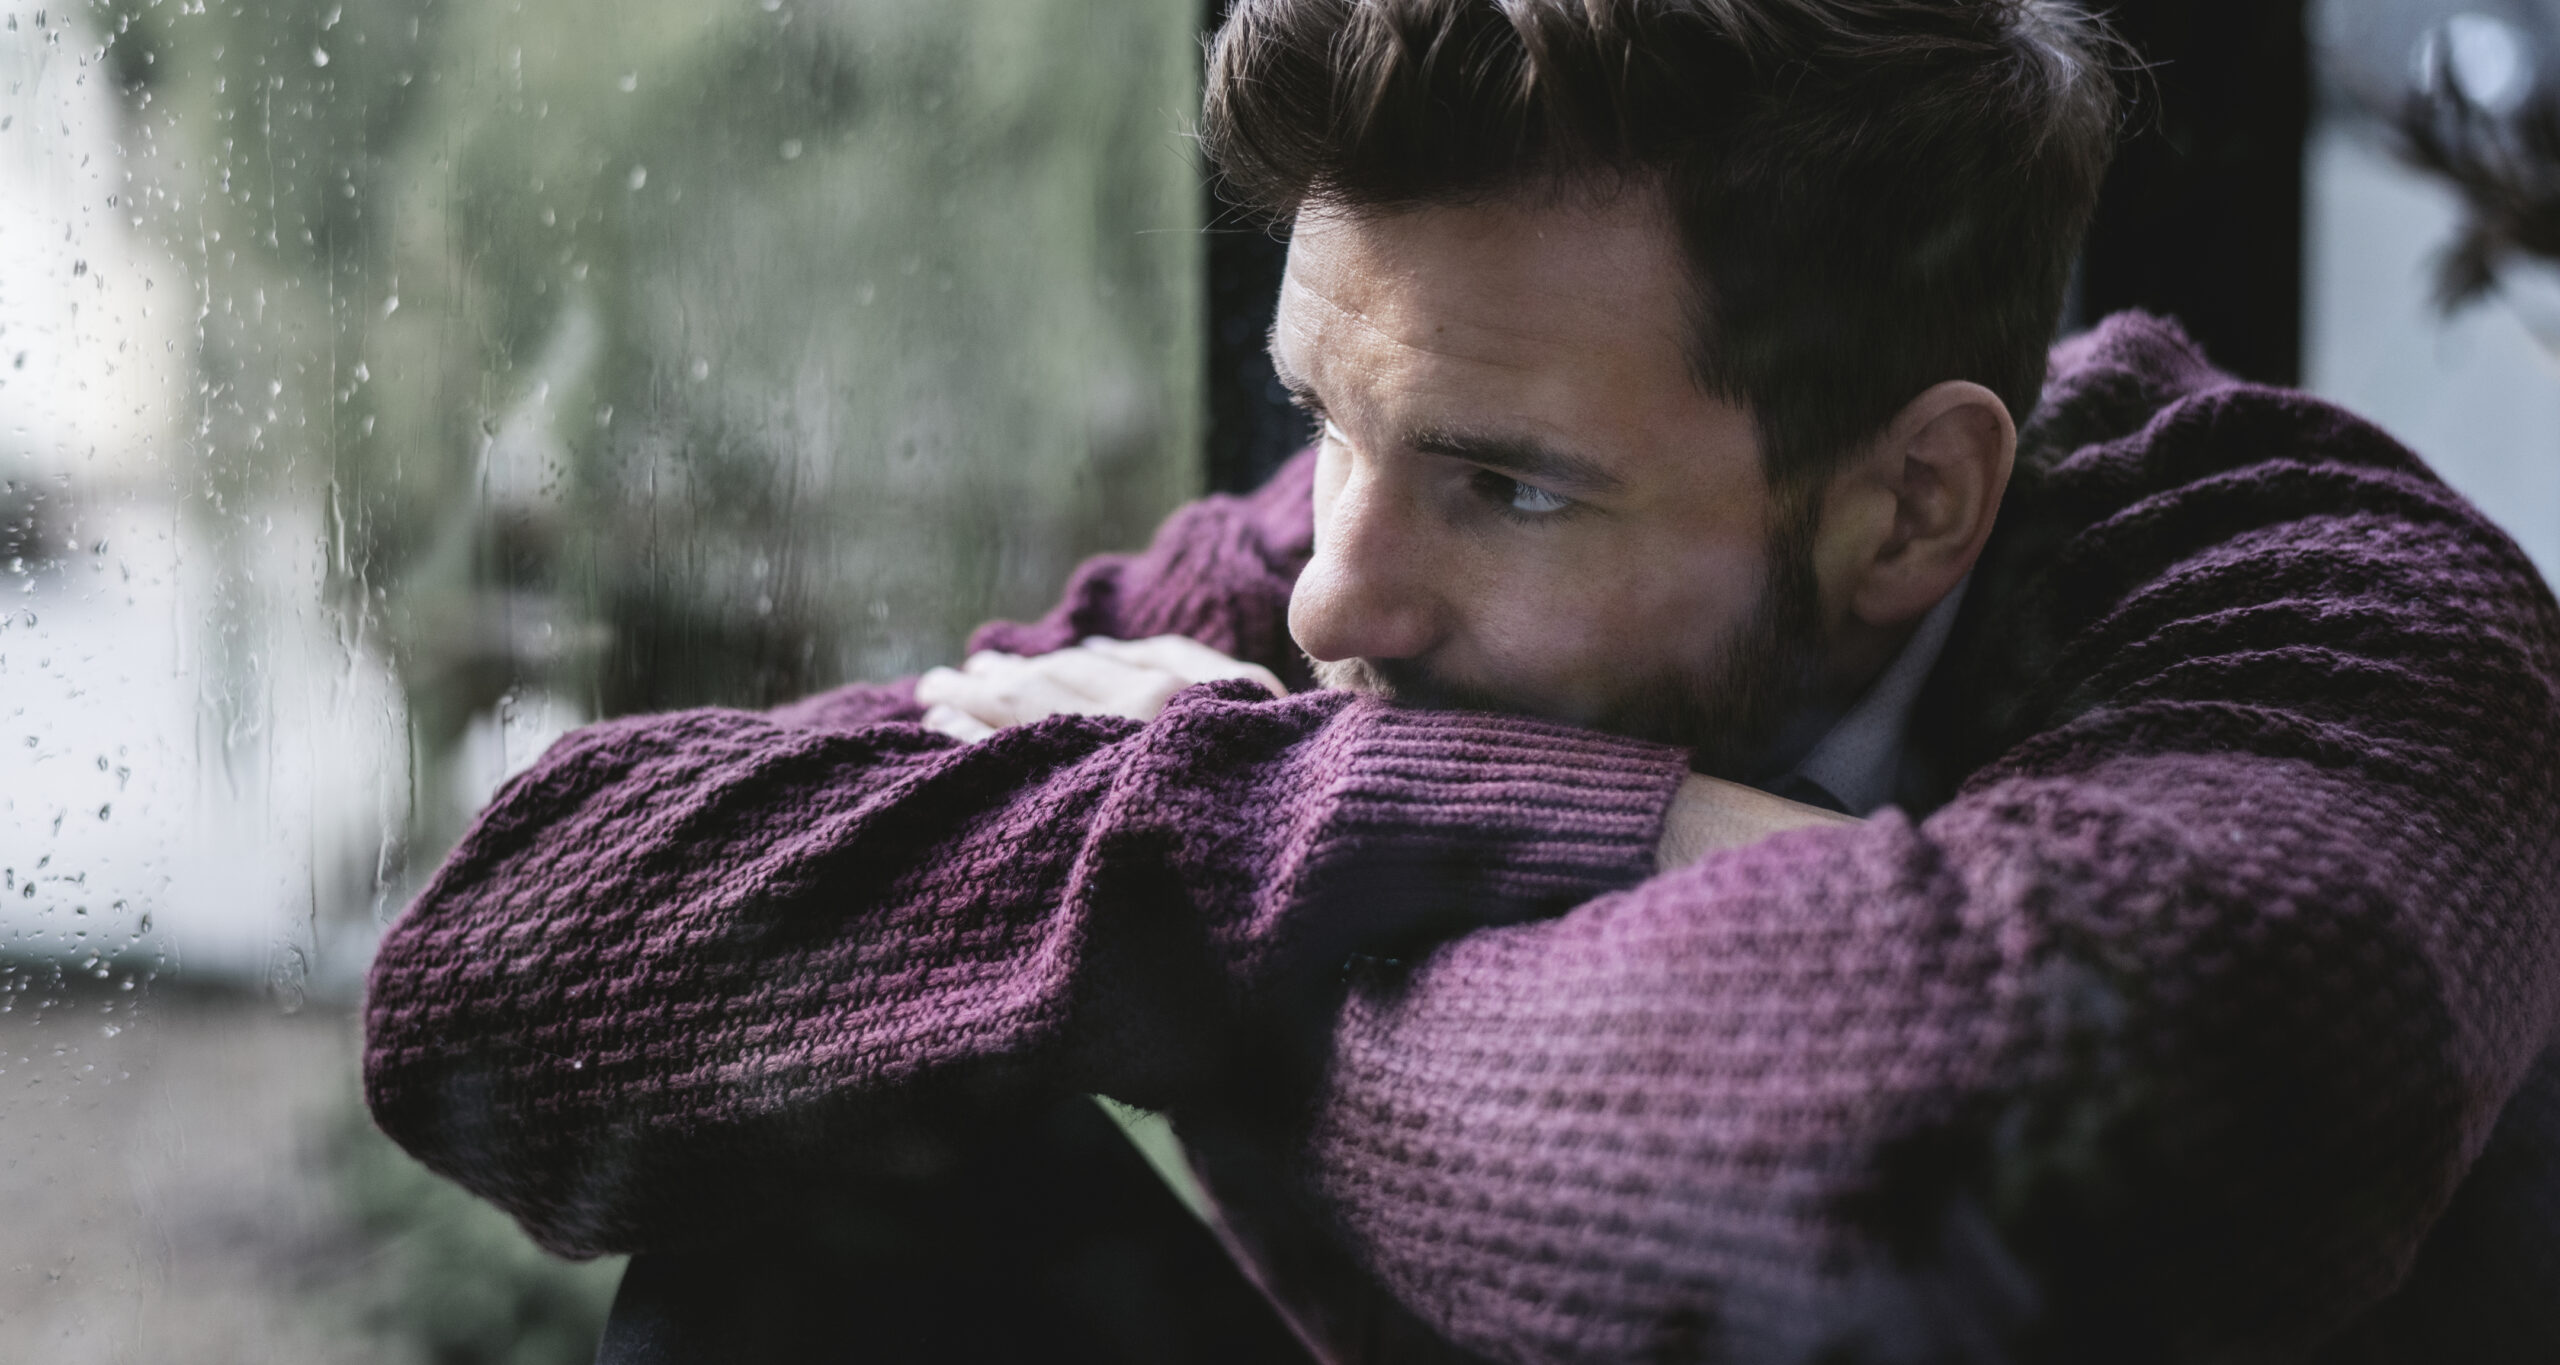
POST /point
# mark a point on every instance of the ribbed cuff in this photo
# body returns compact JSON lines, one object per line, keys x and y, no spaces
{"x":1508,"y":816}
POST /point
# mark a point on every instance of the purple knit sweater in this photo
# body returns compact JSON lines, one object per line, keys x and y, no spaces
{"x":2168,"y":1030}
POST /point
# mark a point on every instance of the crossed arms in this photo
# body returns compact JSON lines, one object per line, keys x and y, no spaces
{"x":2179,"y":1018}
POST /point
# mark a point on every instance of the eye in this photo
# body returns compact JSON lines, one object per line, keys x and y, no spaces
{"x":1522,"y":500}
{"x":1534,"y":500}
{"x":1334,"y":433}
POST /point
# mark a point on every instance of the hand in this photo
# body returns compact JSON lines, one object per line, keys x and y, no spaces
{"x":1100,"y":677}
{"x":1710,"y":815}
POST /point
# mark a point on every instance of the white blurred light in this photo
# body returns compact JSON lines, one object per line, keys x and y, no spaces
{"x":2490,"y":62}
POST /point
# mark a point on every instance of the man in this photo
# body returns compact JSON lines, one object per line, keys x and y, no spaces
{"x":1521,"y":993}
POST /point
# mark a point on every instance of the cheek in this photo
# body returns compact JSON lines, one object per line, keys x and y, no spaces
{"x":1596,"y":619}
{"x":1693,"y":593}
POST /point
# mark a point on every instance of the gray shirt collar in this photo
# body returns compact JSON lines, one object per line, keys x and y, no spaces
{"x":1859,"y":761}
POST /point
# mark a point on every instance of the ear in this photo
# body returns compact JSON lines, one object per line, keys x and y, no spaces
{"x":1905,"y":521}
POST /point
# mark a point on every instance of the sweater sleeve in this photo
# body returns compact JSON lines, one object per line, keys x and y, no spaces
{"x":2166,"y":1039}
{"x":694,"y":965}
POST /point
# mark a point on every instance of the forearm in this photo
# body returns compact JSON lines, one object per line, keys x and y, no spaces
{"x":691,"y":953}
{"x":1709,"y":815}
{"x":2053,"y":1064}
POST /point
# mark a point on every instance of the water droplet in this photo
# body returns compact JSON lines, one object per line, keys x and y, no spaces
{"x":391,"y":305}
{"x":701,"y":368}
{"x":630,"y":81}
{"x":639,"y":176}
{"x":319,"y":56}
{"x":791,"y":149}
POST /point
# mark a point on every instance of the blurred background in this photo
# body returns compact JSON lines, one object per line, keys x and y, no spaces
{"x":387,"y":386}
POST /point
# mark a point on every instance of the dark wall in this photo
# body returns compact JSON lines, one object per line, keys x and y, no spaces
{"x":2201,"y":218}
{"x":1252,"y":425}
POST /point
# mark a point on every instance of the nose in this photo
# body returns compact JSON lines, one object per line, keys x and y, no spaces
{"x":1368,"y":592}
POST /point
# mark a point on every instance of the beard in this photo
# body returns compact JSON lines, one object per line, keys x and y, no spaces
{"x":1732,"y":712}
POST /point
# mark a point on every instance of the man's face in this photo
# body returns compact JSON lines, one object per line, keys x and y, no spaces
{"x":1524,"y":499}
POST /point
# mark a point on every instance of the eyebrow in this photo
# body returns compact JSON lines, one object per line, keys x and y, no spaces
{"x":1523,"y":457}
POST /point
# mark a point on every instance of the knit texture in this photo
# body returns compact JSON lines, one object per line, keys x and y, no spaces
{"x":2166,"y":1029}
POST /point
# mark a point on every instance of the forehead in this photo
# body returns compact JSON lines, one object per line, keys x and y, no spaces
{"x":1571,"y":292}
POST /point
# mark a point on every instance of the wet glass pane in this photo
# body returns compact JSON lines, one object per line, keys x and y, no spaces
{"x":387,"y":387}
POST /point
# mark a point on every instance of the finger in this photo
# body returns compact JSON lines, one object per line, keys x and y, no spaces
{"x":1013,"y":691}
{"x":990,"y":691}
{"x":951,"y":691}
{"x":941,"y":685}
{"x":1203,"y":664}
{"x":1189,"y":658}
{"x":956,"y":723}
{"x":975,"y":697}
{"x":1116,"y":686}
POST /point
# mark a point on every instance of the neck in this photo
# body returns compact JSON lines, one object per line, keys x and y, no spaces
{"x":1859,"y":654}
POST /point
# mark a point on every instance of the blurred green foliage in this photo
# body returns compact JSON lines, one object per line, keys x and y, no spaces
{"x":646,"y":352}
{"x":634,"y":353}
{"x":449,"y":1280}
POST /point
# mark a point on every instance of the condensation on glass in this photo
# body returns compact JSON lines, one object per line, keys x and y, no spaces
{"x":386,"y":388}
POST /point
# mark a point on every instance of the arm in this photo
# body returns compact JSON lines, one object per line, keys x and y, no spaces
{"x":690,"y":966}
{"x":2183,"y":1018}
{"x":2168,"y":1038}
{"x":1709,"y":815}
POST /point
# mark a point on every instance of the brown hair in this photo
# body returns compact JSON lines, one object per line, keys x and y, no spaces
{"x":1874,"y":195}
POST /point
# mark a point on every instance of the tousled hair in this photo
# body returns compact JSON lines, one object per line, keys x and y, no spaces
{"x":1873,"y":196}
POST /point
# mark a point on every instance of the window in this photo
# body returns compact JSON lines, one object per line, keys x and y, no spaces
{"x":388,"y":387}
